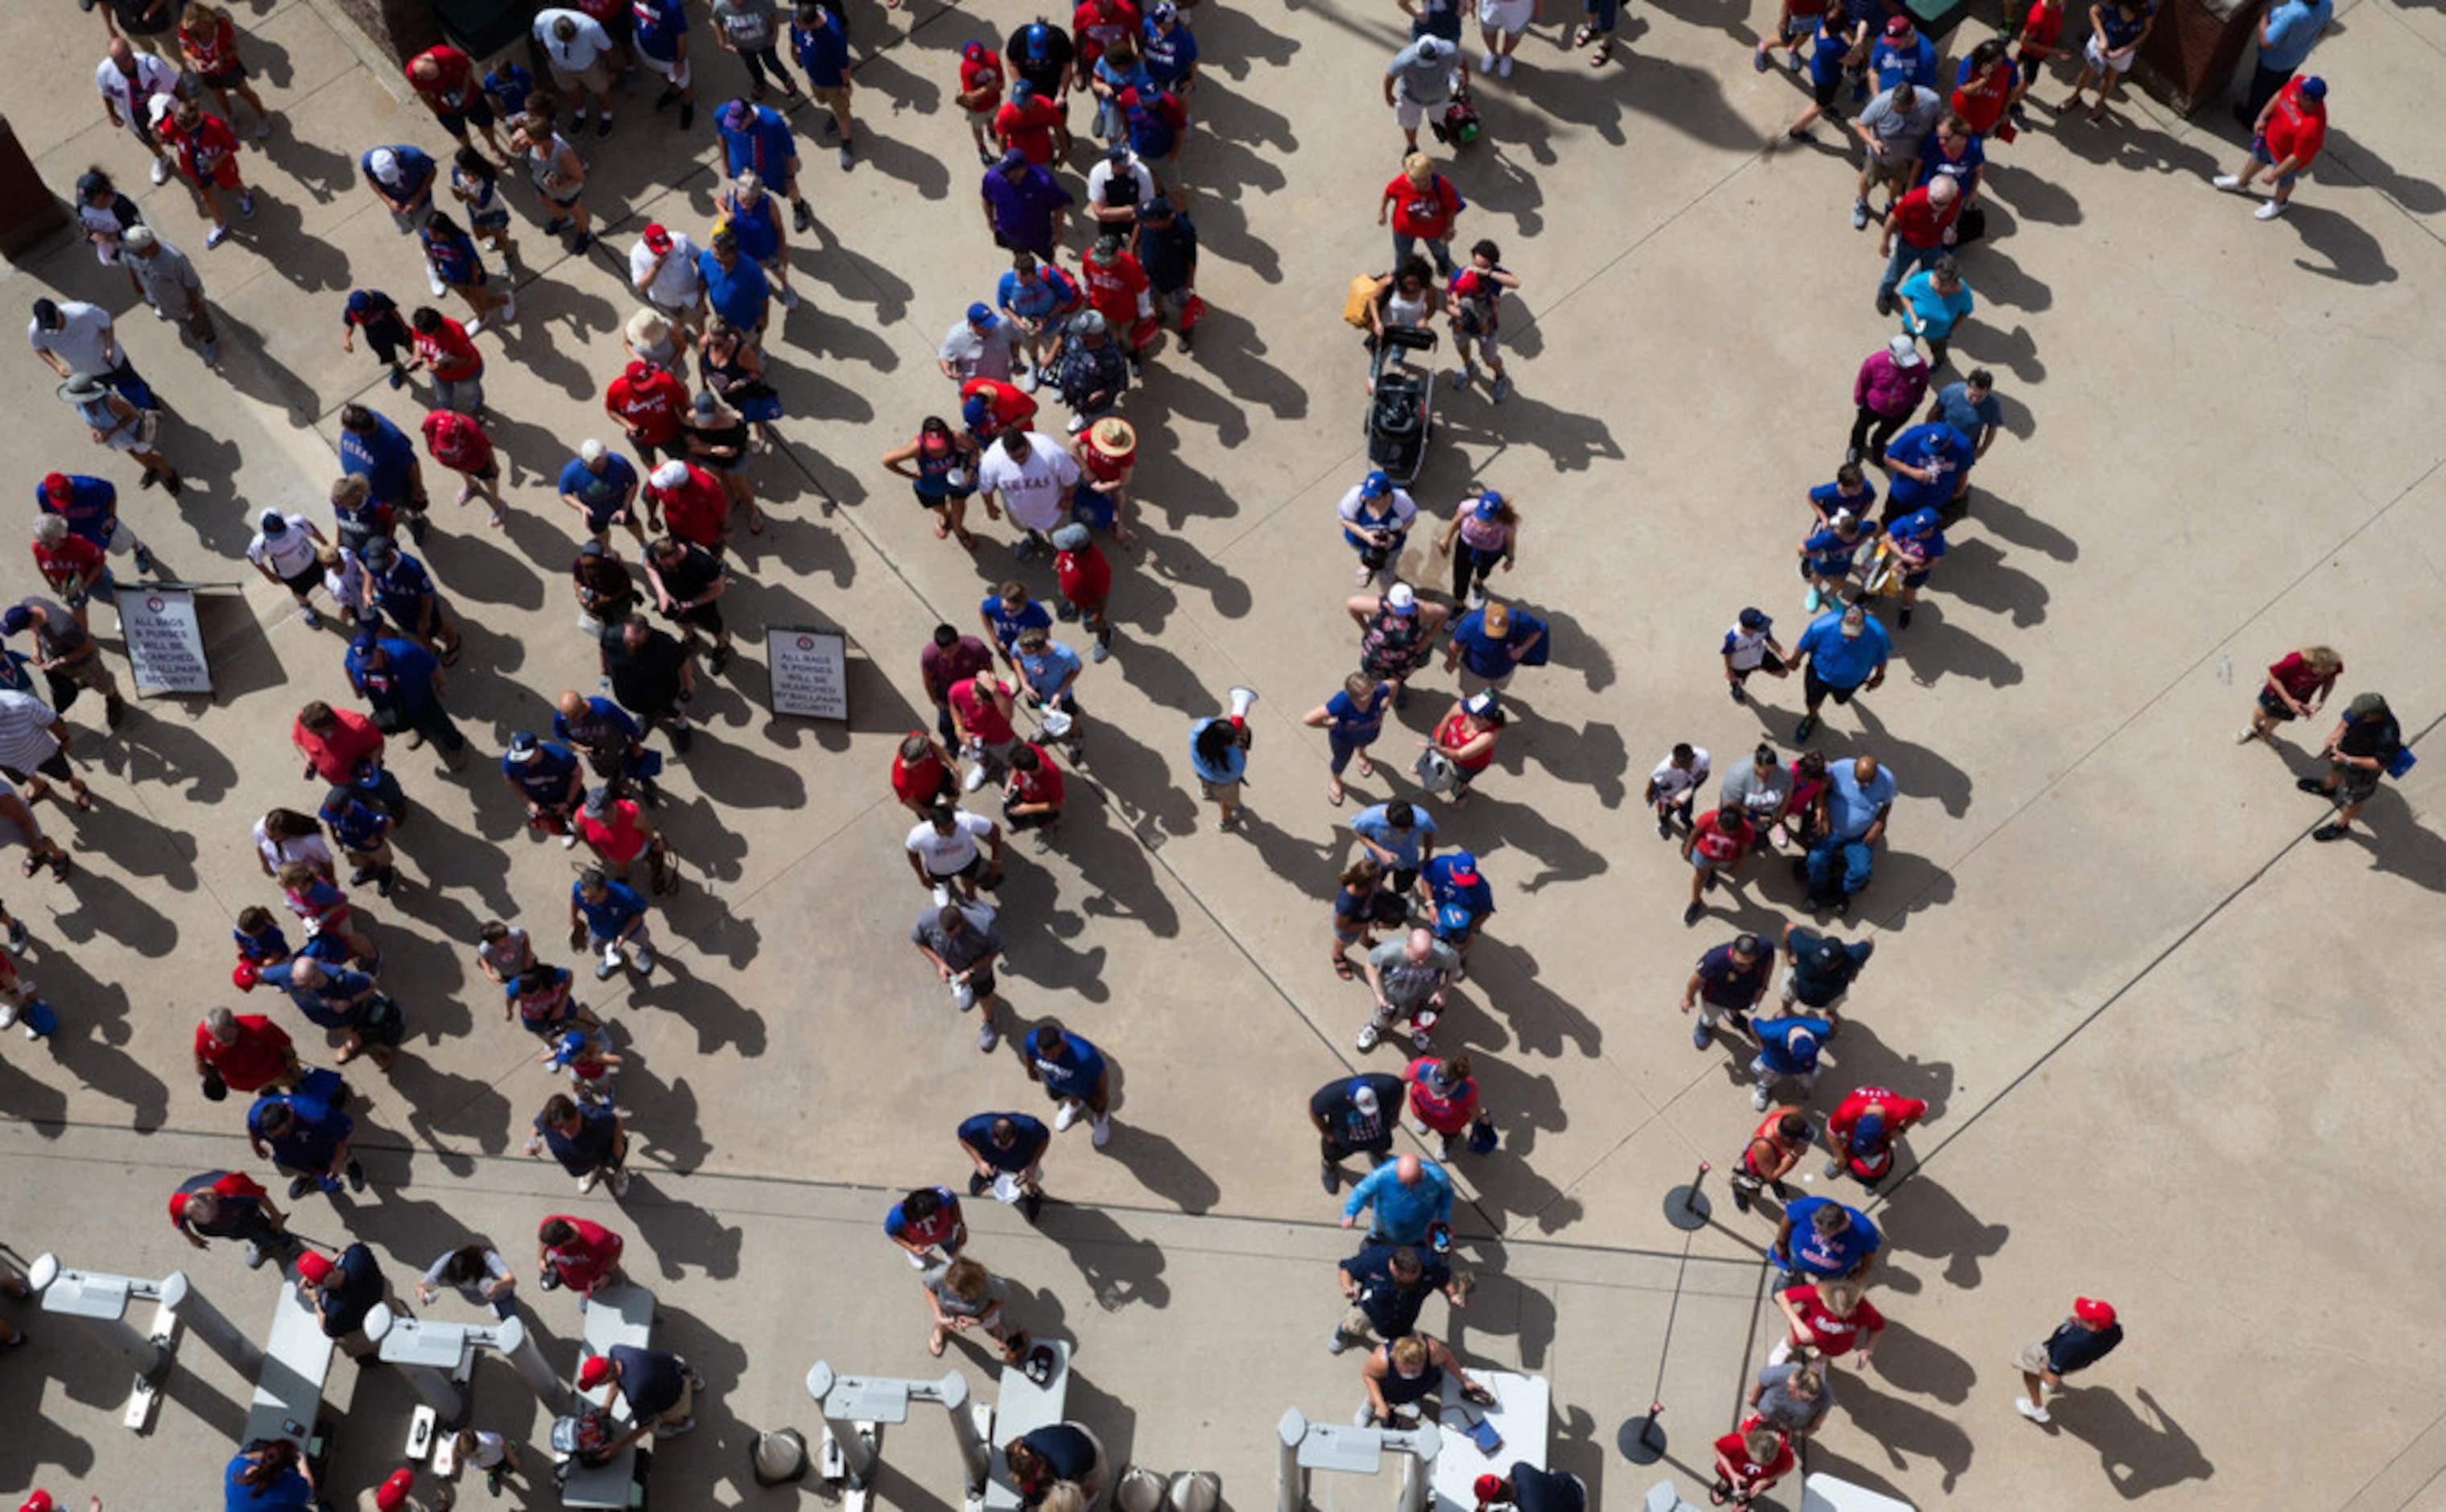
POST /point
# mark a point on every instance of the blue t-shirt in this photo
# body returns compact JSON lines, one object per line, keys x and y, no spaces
{"x":1052,"y":291}
{"x":415,"y":171}
{"x":311,"y":1139}
{"x":544,"y":778}
{"x":603,"y":712}
{"x":977,"y":1134}
{"x":1477,"y":897}
{"x":1816,"y":982}
{"x":1933,"y":160}
{"x":1830,"y":497}
{"x":1830,"y":556}
{"x":404,"y":586}
{"x":405,"y":683}
{"x":1790,"y":1046}
{"x":1953,"y":403}
{"x":823,"y":50}
{"x":1819,"y":1256}
{"x":1169,"y":55}
{"x":1833,"y":45}
{"x":2119,"y":30}
{"x":1484,"y":655}
{"x":660,"y":26}
{"x":91,"y":503}
{"x":1919,"y":529}
{"x":1372,"y":824}
{"x":2293,"y":27}
{"x":1353,"y":726}
{"x":290,"y":1492}
{"x":1072,"y":1071}
{"x":1894,"y":63}
{"x":1048,"y":669}
{"x":1008,"y":624}
{"x":454,"y":259}
{"x":737,"y":296}
{"x":328,"y":1006}
{"x":1850,"y":808}
{"x":765,"y":145}
{"x":1233,"y":765}
{"x":1934,"y":445}
{"x":356,"y":827}
{"x":896,"y":1222}
{"x":383,"y":459}
{"x":589,"y":1150}
{"x":1724,"y":982}
{"x":1839,"y":660}
{"x":606,"y":917}
{"x":509,"y":84}
{"x":1151,"y":135}
{"x":600,"y":492}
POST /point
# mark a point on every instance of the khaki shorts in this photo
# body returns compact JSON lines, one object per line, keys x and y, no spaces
{"x":1221,"y":792}
{"x":2033,"y":1359}
{"x":1355,"y":1326}
{"x":595,"y":81}
{"x":686,"y":1405}
{"x":836,"y":97}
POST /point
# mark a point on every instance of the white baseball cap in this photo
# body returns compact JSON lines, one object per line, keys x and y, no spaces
{"x":590,"y":451}
{"x":384,"y":164}
{"x":670,"y":475}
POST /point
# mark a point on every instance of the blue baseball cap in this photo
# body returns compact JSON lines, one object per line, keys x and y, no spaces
{"x":1452,"y":919}
{"x":1866,"y":1133}
{"x":974,"y":411}
{"x":1490,"y":504}
{"x":2314,"y":87}
{"x":982,"y":317}
{"x":572,"y":1046}
{"x":357,"y":302}
{"x":1756,"y":620}
{"x":1376,"y":486}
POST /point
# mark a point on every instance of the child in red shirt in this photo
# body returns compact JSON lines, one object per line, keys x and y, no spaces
{"x":1748,"y":1463}
{"x":980,"y":95}
{"x":1085,"y":579}
{"x":2039,"y":30}
{"x":207,"y":150}
{"x":209,"y":43}
{"x":459,"y":443}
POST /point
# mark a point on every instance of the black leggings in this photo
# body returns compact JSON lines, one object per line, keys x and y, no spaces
{"x":389,"y":340}
{"x":1870,"y":431}
{"x":760,"y":59}
{"x":1471,"y":563}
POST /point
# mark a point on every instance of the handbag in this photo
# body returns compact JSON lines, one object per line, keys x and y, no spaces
{"x":2401,"y":762}
{"x":1436,"y":771}
{"x":216,"y":1088}
{"x":1481,"y":1135}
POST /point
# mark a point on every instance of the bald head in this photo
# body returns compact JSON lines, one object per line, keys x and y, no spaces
{"x":1420,"y":946}
{"x":570,"y":705}
{"x":123,"y":57}
{"x":1408,"y":1170}
{"x":1865,"y":769}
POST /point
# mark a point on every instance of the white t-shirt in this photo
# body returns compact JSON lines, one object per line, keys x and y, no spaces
{"x":1747,"y":648}
{"x":82,"y":341}
{"x":287,"y":554}
{"x":1404,"y":509}
{"x":946,"y":854}
{"x":676,"y":285}
{"x":579,"y":52}
{"x":279,"y":852}
{"x":1100,"y":177}
{"x":1672,"y":781}
{"x":130,"y":97}
{"x":1031,"y":489}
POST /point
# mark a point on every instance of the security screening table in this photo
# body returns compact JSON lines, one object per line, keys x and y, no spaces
{"x":615,"y":1315}
{"x":1522,"y":1407}
{"x":1021,"y":1406}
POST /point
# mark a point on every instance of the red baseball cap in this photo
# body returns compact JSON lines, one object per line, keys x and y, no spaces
{"x":1488,"y":1488}
{"x":57,"y":486}
{"x":658,"y":238}
{"x":392,"y":1495}
{"x":40,"y":1502}
{"x":596,"y":1370}
{"x":2090,"y":1309}
{"x":245,"y":976}
{"x":315,"y":1268}
{"x":1898,"y":27}
{"x":639,"y":371}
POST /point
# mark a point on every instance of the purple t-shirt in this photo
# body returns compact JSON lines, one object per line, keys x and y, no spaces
{"x":1023,"y":210}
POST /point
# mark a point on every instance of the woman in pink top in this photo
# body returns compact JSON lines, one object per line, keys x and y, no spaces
{"x":1484,"y":531}
{"x":1887,"y":387}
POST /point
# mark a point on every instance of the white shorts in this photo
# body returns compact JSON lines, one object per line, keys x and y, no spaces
{"x":676,"y":70}
{"x":1509,"y":16}
{"x":2095,"y":51}
{"x":1407,"y":113}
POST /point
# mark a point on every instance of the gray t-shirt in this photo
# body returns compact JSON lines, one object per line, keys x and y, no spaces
{"x":1760,"y":797}
{"x":1900,"y":130}
{"x":59,"y":636}
{"x":981,"y":355}
{"x":1787,"y":1410}
{"x":976,"y":941}
{"x":955,"y":1305}
{"x":83,"y":340}
{"x":1408,"y":983}
{"x":751,"y":24}
{"x":1424,"y":80}
{"x":165,"y":278}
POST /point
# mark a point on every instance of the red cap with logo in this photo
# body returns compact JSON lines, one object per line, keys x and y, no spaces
{"x":658,"y":238}
{"x":57,"y":486}
{"x":2090,"y":1309}
{"x":392,"y":1494}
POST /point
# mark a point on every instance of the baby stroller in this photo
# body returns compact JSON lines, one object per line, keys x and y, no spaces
{"x":1400,"y":403}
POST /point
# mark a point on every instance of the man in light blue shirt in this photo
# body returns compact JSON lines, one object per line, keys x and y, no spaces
{"x":2286,"y":33}
{"x":1405,"y":1198}
{"x":1844,"y":651}
{"x":1399,"y":835}
{"x":1860,"y":797}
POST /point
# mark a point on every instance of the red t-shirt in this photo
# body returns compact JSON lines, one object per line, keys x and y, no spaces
{"x":1095,"y":27}
{"x":1711,"y":841}
{"x":2044,"y":25}
{"x":1114,"y":289}
{"x":66,"y":562}
{"x":650,"y":409}
{"x":982,"y":73}
{"x":1919,"y":223}
{"x":1826,"y":1332}
{"x":696,"y":511}
{"x":1453,"y":734}
{"x":1899,"y":1113}
{"x":452,"y":85}
{"x":1084,"y":575}
{"x":979,"y":713}
{"x":1043,"y":785}
{"x":1446,"y":1112}
{"x":212,"y":50}
{"x":1029,"y":128}
{"x":1427,"y":214}
{"x":335,"y":759}
{"x":1768,"y":1131}
{"x":209,"y":151}
{"x":1747,"y":1473}
{"x":940,"y":669}
{"x":260,"y":1054}
{"x":449,"y":351}
{"x":233,"y":1183}
{"x":620,"y":841}
{"x":589,"y":1258}
{"x":2300,"y":679}
{"x":458,"y":442}
{"x":922,"y":783}
{"x":2297,"y":128}
{"x":1980,"y":102}
{"x":1010,"y":404}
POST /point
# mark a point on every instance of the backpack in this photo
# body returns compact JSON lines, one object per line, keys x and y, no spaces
{"x":1361,"y":298}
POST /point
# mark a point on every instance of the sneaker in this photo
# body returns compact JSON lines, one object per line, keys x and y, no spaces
{"x":1739,"y":696}
{"x":1814,"y":600}
{"x":1801,"y":731}
{"x":1663,"y":828}
{"x":2031,"y":1409}
{"x":313,"y":617}
{"x":1885,"y":302}
{"x":1422,"y":1042}
{"x":568,"y":840}
{"x":987,"y":1037}
{"x":2328,"y":832}
{"x":356,"y":1174}
{"x":1066,"y":1114}
{"x":17,"y":936}
{"x":644,"y":960}
{"x":847,"y":157}
{"x":1833,"y":1169}
{"x":161,"y":170}
{"x":1330,"y":1175}
{"x":1336,"y":1342}
{"x":1781,"y":1351}
{"x":1043,"y":840}
{"x":2310,"y":785}
{"x":2228,"y":181}
{"x":687,"y":116}
{"x":1502,"y":390}
{"x":433,"y":281}
{"x":357,"y":878}
{"x":1703,"y":1033}
{"x":1792,"y":62}
{"x":605,"y":970}
{"x":1757,"y":1097}
{"x":1031,"y":1202}
{"x":1859,"y":215}
{"x":577,"y":120}
{"x":1693,"y":914}
{"x":802,"y":221}
{"x":215,"y":236}
{"x":299,"y":1186}
{"x":2248,"y":734}
{"x":1503,"y":66}
{"x":1903,"y":619}
{"x":1368,"y":1035}
{"x":1486,"y":63}
{"x":979,"y":1183}
{"x":246,"y":204}
{"x":1077,"y":423}
{"x":2268,"y":210}
{"x":603,"y":128}
{"x":789,"y":299}
{"x":586,"y":1183}
{"x":670,"y":97}
{"x":1740,"y":1197}
{"x":665,"y":1430}
{"x":619,"y":1184}
{"x":1759,"y":59}
{"x":1032,"y":379}
{"x":1102,"y":1133}
{"x":399,"y":377}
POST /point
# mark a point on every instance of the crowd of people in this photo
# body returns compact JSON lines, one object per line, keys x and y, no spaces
{"x":1084,"y":281}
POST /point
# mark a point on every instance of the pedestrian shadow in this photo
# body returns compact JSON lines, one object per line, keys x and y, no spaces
{"x":857,"y":277}
{"x":1983,"y":345}
{"x":2348,"y":253}
{"x":1570,"y":645}
{"x":1114,"y":865}
{"x":1913,"y":1362}
{"x":443,"y":862}
{"x":1163,"y":1169}
{"x":2390,"y":833}
{"x":556,"y":360}
{"x":1575,"y":1450}
{"x":2010,"y":522}
{"x":1921,"y":772}
{"x":1107,"y":1415}
{"x":36,"y":1104}
{"x":839,"y":338}
{"x":93,"y":1026}
{"x":1141,"y":788}
{"x":1502,"y":1307}
{"x":468,"y":564}
{"x":1189,"y":402}
{"x":1051,"y":961}
{"x":683,"y":1236}
{"x":1861,"y":1058}
{"x":2139,"y":1456}
{"x":1237,"y":45}
{"x":313,"y":265}
{"x":1121,"y":1269}
{"x":2039,"y":201}
{"x":210,"y":504}
{"x":735,"y":776}
{"x":1503,"y":1183}
{"x":1240,"y":120}
{"x":1935,"y":1224}
{"x":1571,"y":441}
{"x":1223,"y":234}
{"x":253,"y":370}
{"x":1997,"y":280}
{"x":1502,"y":184}
{"x":424,"y":972}
{"x":2417,"y":196}
{"x":1939,"y":648}
{"x":1230,"y":349}
{"x":106,"y":910}
{"x":1563,"y":856}
{"x":665,"y":1119}
{"x":1521,"y":1102}
{"x":720,"y":1019}
{"x":442,"y":1108}
{"x":1976,"y":573}
{"x":901,"y":161}
{"x":1542,"y":1021}
{"x":1165,"y":680}
{"x":1173,"y":559}
{"x":150,"y":749}
{"x":805,"y":547}
{"x":1906,"y":1434}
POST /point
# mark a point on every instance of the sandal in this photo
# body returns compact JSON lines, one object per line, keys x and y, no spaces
{"x":83,"y":802}
{"x":1332,"y":795}
{"x":59,"y":866}
{"x":942,"y":531}
{"x":934,"y":1344}
{"x":968,"y":540}
{"x":30,"y":866}
{"x":1367,"y":768}
{"x":1584,"y":36}
{"x":1342,"y":968}
{"x":1604,"y":53}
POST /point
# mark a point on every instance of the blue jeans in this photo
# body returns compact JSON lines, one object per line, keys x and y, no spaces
{"x":1404,"y":244}
{"x":1344,"y":749}
{"x":1854,"y":857}
{"x":1906,"y":257}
